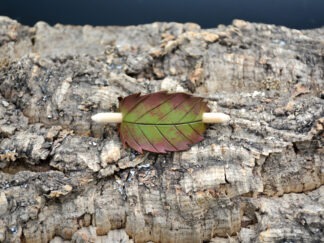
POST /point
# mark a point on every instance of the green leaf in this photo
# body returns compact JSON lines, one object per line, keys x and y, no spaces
{"x":162,"y":122}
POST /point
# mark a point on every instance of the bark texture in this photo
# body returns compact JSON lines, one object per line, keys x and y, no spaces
{"x":257,"y":179}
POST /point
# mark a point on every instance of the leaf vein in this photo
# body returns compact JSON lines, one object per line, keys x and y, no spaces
{"x":132,"y":137}
{"x":184,"y":134}
{"x":173,"y":109}
{"x":195,"y":130}
{"x":191,"y":108}
{"x":138,"y":102}
{"x":166,"y":100}
{"x":148,"y":139}
{"x":166,"y":138}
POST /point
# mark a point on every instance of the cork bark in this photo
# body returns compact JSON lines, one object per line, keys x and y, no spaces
{"x":256,"y":179}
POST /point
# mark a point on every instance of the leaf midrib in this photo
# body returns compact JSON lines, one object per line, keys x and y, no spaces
{"x":163,"y":124}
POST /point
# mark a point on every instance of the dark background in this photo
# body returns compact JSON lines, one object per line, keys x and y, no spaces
{"x":299,"y":14}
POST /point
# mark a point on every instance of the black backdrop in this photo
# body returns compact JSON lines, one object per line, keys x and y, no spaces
{"x":300,"y":14}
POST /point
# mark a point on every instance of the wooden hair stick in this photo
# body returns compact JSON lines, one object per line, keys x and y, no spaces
{"x":114,"y":117}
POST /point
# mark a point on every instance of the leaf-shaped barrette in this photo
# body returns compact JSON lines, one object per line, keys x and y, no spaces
{"x":161,"y":122}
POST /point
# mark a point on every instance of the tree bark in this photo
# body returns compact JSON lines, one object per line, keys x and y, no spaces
{"x":256,"y":179}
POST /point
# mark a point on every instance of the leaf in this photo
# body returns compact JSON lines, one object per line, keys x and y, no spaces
{"x":162,"y":122}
